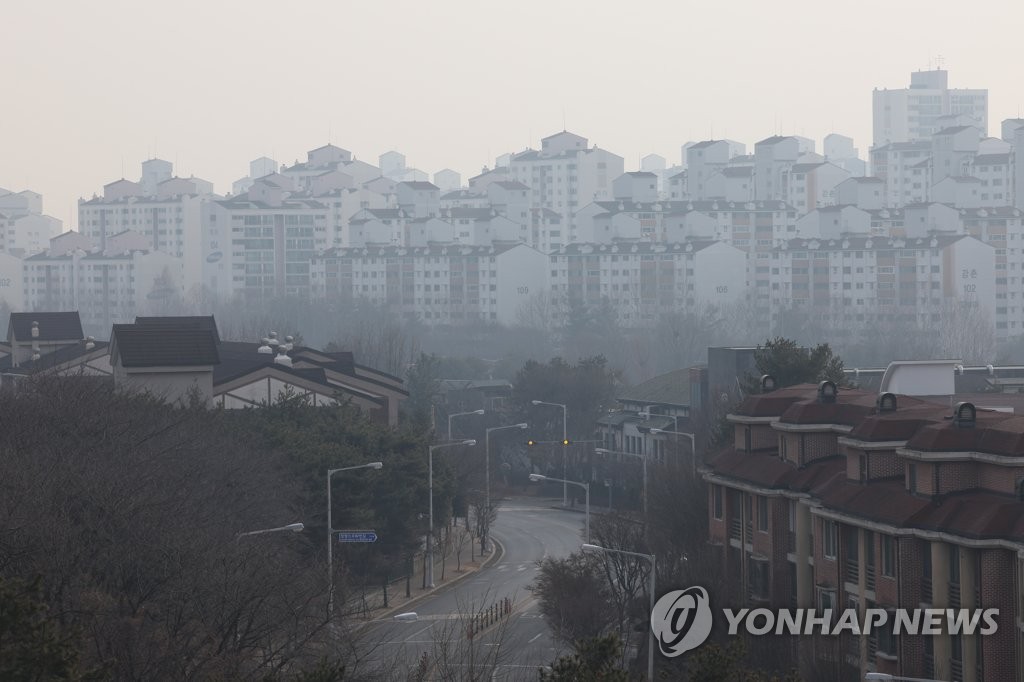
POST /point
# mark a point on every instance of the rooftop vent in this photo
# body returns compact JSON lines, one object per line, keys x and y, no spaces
{"x":265,"y":347}
{"x":282,"y":358}
{"x":90,"y":343}
{"x":35,"y":330}
{"x":827,"y":392}
{"x":767,"y":383}
{"x":272,"y":340}
{"x":964,"y":415}
{"x":886,"y":402}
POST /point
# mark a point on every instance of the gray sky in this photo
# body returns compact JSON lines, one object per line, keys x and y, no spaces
{"x":91,"y":88}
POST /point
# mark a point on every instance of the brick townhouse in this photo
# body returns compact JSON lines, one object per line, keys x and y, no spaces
{"x":844,"y":498}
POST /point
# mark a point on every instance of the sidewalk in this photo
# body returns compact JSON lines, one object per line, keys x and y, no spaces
{"x":369,"y":606}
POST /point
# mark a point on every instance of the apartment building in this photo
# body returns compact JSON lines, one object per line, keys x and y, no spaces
{"x":916,"y":113}
{"x":106,"y":286}
{"x":438,"y":284}
{"x":641,"y":281}
{"x":839,"y":498}
{"x":904,"y":167}
{"x":166,"y":210}
{"x":773,"y":158}
{"x":24,"y":228}
{"x":854,"y":281}
{"x":806,"y":186}
{"x":260,"y":243}
{"x":565,"y":174}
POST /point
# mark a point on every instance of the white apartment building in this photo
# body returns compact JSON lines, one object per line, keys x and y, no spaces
{"x":564,"y":175}
{"x":773,"y":157}
{"x":106,"y":286}
{"x":703,"y":160}
{"x":867,"y":192}
{"x":914,"y":114}
{"x":169,"y":217}
{"x":24,"y":228}
{"x":440,"y":285}
{"x":318,"y":162}
{"x":640,"y":282}
{"x":905,"y":169}
{"x":806,"y":186}
{"x":732,"y":183}
{"x":952,"y":151}
{"x":12,"y":270}
{"x":853,"y":282}
{"x":995,"y":171}
{"x":260,"y":243}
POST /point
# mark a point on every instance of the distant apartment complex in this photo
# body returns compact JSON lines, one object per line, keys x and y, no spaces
{"x":328,"y":228}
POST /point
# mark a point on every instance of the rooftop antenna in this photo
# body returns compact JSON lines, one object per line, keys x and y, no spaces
{"x":940,"y":62}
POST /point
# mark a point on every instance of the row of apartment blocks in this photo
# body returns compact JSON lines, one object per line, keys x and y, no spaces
{"x":831,"y":499}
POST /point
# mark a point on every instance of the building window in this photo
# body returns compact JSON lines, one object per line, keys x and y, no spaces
{"x":762,"y":513}
{"x":830,"y":539}
{"x":888,"y":558}
{"x":826,"y":599}
{"x":886,"y":638}
{"x":757,"y":578}
{"x":716,"y":496}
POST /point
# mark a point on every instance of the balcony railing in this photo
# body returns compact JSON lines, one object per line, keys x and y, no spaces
{"x":954,"y":595}
{"x":852,"y":571}
{"x":735,"y":528}
{"x":869,"y":576}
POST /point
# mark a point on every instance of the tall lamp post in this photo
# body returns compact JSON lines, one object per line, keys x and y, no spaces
{"x":459,"y":414}
{"x":693,"y":444}
{"x":430,"y":534}
{"x":487,"y":468}
{"x":643,"y":458}
{"x":294,"y":527}
{"x":651,"y":560}
{"x":330,"y":530}
{"x":565,"y":437}
{"x":585,"y":486}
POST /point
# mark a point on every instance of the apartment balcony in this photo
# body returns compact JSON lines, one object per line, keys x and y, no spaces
{"x":852,"y":571}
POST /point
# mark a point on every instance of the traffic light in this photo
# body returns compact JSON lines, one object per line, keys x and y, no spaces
{"x":566,"y":441}
{"x":531,"y":442}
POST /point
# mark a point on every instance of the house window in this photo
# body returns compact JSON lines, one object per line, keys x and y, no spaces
{"x":762,"y":513}
{"x":886,"y":638}
{"x":830,"y":539}
{"x":716,"y":495}
{"x":888,"y":556}
{"x":826,"y":599}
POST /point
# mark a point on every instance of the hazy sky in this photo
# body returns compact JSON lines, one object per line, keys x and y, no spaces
{"x":93,"y":88}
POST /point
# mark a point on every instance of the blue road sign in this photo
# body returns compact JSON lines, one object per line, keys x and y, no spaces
{"x":357,"y":536}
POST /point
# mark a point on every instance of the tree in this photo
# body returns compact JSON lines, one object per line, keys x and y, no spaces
{"x":790,"y":364}
{"x":424,"y":383}
{"x":33,"y":644}
{"x":593,"y":660}
{"x":574,"y":596}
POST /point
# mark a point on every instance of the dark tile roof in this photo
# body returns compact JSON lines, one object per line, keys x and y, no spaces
{"x":181,"y":322}
{"x":64,"y":326}
{"x":147,"y":346}
{"x":61,"y":356}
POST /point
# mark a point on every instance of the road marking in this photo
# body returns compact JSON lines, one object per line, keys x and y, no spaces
{"x":535,"y":638}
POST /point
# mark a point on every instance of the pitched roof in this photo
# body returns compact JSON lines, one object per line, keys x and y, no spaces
{"x":671,"y":388}
{"x":181,"y":322}
{"x":156,"y":346}
{"x":419,"y":184}
{"x":63,"y":326}
{"x":991,"y":159}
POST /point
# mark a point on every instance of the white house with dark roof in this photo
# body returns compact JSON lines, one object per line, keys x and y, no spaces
{"x":30,"y":335}
{"x":173,"y":364}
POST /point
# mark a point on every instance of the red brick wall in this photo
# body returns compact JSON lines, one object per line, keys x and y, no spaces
{"x":820,"y":445}
{"x":955,"y":476}
{"x":909,"y":569}
{"x":998,"y":590}
{"x":884,"y":464}
{"x":999,"y":479}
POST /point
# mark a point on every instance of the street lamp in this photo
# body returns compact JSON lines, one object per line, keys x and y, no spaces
{"x":649,"y":558}
{"x":487,"y":456}
{"x":294,"y":527}
{"x":330,"y":530}
{"x":585,"y":486}
{"x":643,"y":458}
{"x":693,"y":444}
{"x":565,"y":437}
{"x":430,"y":534}
{"x":459,"y":414}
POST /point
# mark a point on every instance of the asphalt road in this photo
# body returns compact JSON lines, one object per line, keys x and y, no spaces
{"x":528,"y":529}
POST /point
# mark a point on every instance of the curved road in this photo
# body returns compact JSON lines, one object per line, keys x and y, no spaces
{"x":529,"y":529}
